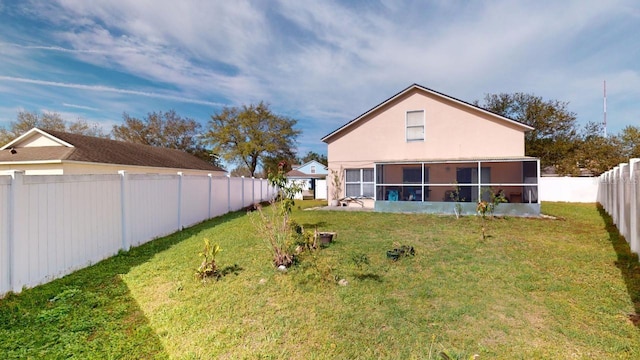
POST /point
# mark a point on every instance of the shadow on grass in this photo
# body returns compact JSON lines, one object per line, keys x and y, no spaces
{"x":627,"y":263}
{"x":314,"y":225}
{"x":369,"y":276}
{"x":232,"y":269}
{"x":90,"y":313}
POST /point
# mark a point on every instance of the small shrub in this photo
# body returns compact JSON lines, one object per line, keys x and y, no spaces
{"x":280,"y":233}
{"x":209,"y":268}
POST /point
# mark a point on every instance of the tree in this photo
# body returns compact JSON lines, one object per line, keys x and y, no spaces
{"x":164,"y":129}
{"x":240,"y":171}
{"x":27,"y":120}
{"x":311,"y":155}
{"x":629,"y":140}
{"x":554,"y":137}
{"x":250,"y":135}
{"x":595,"y":152}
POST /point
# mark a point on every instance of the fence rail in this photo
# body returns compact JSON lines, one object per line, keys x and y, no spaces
{"x":619,"y":194}
{"x":53,"y":225}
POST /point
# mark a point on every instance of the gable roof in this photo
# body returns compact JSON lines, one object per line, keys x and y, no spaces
{"x":525,"y":127}
{"x":310,"y":162}
{"x":296,"y":174}
{"x":82,"y":148}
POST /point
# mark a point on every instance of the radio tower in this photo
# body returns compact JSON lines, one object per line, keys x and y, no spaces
{"x":604,"y":129}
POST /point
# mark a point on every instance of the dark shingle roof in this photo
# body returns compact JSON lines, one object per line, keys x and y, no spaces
{"x":99,"y":150}
{"x":299,"y":174}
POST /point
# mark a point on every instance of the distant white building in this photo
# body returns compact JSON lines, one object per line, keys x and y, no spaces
{"x":313,"y":176}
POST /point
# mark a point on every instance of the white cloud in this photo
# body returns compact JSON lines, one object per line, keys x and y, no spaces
{"x":81,"y":107}
{"x":101,"y":88}
{"x":329,"y":61}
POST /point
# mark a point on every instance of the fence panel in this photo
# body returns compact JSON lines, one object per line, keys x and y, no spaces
{"x":53,"y":225}
{"x":248,"y":192}
{"x":62,"y":224}
{"x":257,"y":191}
{"x":5,"y":208}
{"x":236,"y":193}
{"x":195,"y":199}
{"x":626,"y":202}
{"x":569,"y":189}
{"x":153,"y":207}
{"x":619,"y":195}
{"x":219,"y":196}
{"x":634,"y":199}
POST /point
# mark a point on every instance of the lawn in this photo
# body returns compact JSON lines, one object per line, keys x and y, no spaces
{"x":534,"y":288}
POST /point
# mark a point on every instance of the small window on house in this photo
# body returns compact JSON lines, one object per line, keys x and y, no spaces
{"x":415,"y":125}
{"x":313,"y":169}
{"x":359,"y":182}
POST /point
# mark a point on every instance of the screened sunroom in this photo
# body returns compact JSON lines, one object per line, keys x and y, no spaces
{"x":448,"y":186}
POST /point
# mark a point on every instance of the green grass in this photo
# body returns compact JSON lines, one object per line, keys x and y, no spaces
{"x":535,"y":288}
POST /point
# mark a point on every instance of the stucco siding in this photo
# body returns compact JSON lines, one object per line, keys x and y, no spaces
{"x":452,"y":131}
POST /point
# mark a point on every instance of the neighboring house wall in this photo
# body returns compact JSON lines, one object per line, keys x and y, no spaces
{"x":39,"y":152}
{"x":320,"y":169}
{"x":53,"y":225}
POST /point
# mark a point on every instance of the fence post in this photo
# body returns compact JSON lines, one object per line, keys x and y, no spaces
{"x":611,"y":193}
{"x":634,"y":199}
{"x":607,"y":191}
{"x":253,"y":190}
{"x":623,"y":198}
{"x":228,"y":193}
{"x":124,"y":209}
{"x":180,"y":177}
{"x":15,"y":200}
{"x":614,"y":195}
{"x":5,"y":243}
{"x":242,"y":203}
{"x":210,"y":194}
{"x":261,"y":188}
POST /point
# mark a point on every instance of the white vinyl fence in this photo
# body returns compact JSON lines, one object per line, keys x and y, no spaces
{"x":569,"y":189}
{"x":619,"y":194}
{"x":53,"y":225}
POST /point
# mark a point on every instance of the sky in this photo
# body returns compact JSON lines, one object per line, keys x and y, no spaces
{"x":322,"y":63}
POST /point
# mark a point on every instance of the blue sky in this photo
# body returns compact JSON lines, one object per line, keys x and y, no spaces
{"x":320,"y":62}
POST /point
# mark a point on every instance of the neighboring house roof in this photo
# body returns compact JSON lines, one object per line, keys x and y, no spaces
{"x":81,"y":148}
{"x":525,"y":127}
{"x":297,"y":172}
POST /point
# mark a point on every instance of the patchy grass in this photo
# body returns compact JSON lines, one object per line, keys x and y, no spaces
{"x":535,"y":288}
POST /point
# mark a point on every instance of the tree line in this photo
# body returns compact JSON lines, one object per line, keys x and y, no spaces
{"x":254,"y":138}
{"x":558,"y":140}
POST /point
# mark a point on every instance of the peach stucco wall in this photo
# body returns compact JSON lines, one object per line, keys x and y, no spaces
{"x":453,"y":131}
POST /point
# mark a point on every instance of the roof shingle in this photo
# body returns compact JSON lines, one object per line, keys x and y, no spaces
{"x":99,"y":150}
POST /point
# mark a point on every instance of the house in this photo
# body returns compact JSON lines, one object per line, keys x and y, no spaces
{"x":424,"y":151}
{"x":46,"y":152}
{"x":313,"y":178}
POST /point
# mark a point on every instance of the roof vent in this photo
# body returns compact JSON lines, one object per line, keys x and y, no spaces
{"x":13,"y":151}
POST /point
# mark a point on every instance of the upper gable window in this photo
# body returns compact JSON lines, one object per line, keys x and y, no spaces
{"x":415,"y":125}
{"x":313,"y":169}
